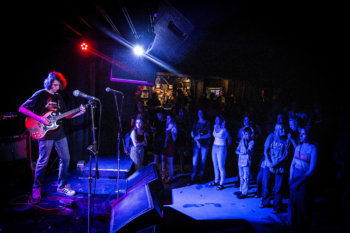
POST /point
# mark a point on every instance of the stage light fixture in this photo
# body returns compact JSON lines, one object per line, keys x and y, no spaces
{"x":138,"y":50}
{"x":84,"y":46}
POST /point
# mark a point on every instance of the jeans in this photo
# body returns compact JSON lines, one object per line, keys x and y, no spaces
{"x":244,"y":179}
{"x":199,"y":152}
{"x":267,"y":192}
{"x":219,"y":157}
{"x":259,"y":181}
{"x":45,"y":148}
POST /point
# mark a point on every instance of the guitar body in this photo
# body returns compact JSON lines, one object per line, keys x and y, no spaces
{"x":37,"y":130}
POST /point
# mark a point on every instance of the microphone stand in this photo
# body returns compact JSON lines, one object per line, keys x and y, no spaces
{"x":118,"y":138}
{"x":92,"y":152}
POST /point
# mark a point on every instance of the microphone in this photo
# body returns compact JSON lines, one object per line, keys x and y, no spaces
{"x":114,"y":91}
{"x":78,"y":93}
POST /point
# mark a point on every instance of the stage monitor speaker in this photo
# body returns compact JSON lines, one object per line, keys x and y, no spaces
{"x":146,"y":175}
{"x":150,"y":229}
{"x":137,"y":209}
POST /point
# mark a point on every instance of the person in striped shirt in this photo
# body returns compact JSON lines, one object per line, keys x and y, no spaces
{"x":302,"y":170}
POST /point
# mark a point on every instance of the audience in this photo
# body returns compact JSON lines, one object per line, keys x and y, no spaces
{"x":286,"y":128}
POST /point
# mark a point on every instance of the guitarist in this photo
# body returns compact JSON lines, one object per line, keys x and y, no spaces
{"x":42,"y":101}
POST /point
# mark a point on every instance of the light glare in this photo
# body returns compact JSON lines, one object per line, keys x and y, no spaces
{"x":138,"y":50}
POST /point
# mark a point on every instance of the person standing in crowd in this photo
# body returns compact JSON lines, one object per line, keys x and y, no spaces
{"x":302,"y":170}
{"x":169,"y":150}
{"x":139,"y":141}
{"x":222,"y":141}
{"x":201,"y":134}
{"x":42,"y":101}
{"x":140,"y":112}
{"x":244,"y":152}
{"x":293,"y":132}
{"x":276,"y":150}
{"x":182,"y":123}
{"x":158,"y":129}
{"x":246,"y":123}
{"x":153,"y":105}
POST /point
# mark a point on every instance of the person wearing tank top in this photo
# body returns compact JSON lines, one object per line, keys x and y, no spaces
{"x":301,"y":171}
{"x":222,"y":140}
{"x":139,"y":140}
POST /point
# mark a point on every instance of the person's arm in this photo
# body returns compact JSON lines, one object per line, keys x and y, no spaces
{"x":174,"y":132}
{"x":144,"y":143}
{"x":228,"y":138}
{"x":239,"y":150}
{"x":266,"y":151}
{"x":81,"y":112}
{"x":291,"y":170}
{"x":250,"y":147}
{"x":133,"y":138}
{"x":31,"y":114}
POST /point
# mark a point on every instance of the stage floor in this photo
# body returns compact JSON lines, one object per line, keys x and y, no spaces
{"x":196,"y":207}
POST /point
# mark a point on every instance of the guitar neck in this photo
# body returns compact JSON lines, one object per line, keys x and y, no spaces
{"x":63,"y":115}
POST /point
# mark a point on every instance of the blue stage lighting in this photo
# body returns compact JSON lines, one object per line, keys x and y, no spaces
{"x":138,"y":50}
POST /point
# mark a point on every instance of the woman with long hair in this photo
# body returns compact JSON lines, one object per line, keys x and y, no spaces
{"x":139,"y":140}
{"x":301,"y":172}
{"x":169,"y":149}
{"x":222,"y":140}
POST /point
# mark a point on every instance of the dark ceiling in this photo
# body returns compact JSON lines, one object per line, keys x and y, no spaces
{"x":281,"y":42}
{"x":217,"y":38}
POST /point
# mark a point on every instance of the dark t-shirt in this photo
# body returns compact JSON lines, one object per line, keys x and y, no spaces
{"x":202,"y":129}
{"x":42,"y":102}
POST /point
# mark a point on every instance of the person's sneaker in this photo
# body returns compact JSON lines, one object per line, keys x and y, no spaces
{"x":66,"y":190}
{"x":262,"y":205}
{"x":192,"y":182}
{"x":36,"y":195}
{"x":213,"y":183}
{"x":242,"y":196}
{"x":237,"y":193}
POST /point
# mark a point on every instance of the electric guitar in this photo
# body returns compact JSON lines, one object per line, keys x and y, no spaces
{"x":37,"y":130}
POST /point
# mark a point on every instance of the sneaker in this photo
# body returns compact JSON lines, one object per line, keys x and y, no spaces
{"x":192,"y":182}
{"x":237,"y":193}
{"x":242,"y":196}
{"x":36,"y":195}
{"x":219,"y":187}
{"x":66,"y":190}
{"x":276,"y":211}
{"x":262,"y":205}
{"x":213,"y":183}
